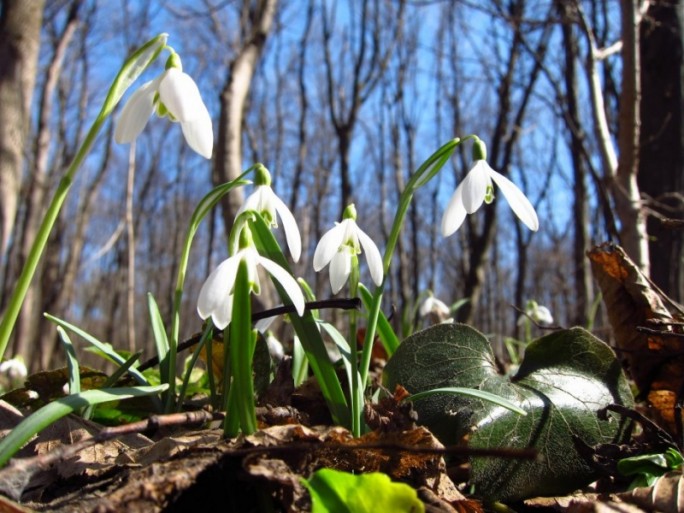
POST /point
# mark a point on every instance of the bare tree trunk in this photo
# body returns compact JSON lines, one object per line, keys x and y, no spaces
{"x":661,"y":163}
{"x":627,"y":198}
{"x":20,"y":23}
{"x":503,"y":140}
{"x":582,"y":269}
{"x":370,"y":59}
{"x":304,"y":108}
{"x":621,"y":171}
{"x":257,"y":20}
{"x":30,"y":316}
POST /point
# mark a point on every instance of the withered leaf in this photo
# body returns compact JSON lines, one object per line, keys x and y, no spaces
{"x":655,"y":360}
{"x":666,"y":495}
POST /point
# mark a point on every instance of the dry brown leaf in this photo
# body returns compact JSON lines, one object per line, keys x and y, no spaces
{"x":9,"y":506}
{"x":654,"y":360}
{"x":666,"y":495}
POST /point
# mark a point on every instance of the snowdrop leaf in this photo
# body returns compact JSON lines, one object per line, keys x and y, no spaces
{"x":130,"y":72}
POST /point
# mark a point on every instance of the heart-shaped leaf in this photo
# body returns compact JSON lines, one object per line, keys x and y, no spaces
{"x":565,"y":379}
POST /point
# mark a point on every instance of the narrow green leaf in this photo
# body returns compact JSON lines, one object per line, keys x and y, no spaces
{"x":121,"y":370}
{"x":134,"y":66}
{"x":72,"y":362}
{"x":105,"y":348}
{"x":206,"y":336}
{"x":471,"y":392}
{"x":55,"y":410}
{"x":167,"y":365}
{"x":388,"y":338}
{"x":242,"y":341}
{"x":306,"y":329}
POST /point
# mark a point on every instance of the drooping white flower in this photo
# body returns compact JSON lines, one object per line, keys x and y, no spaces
{"x":538,"y":313}
{"x":216,"y":296}
{"x":14,"y":368}
{"x":337,"y":246}
{"x":264,"y":201}
{"x":433,"y":305}
{"x":176,"y":95}
{"x":478,"y":187}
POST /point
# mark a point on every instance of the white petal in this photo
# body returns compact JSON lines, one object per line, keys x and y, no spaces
{"x":262,"y":325}
{"x":218,"y":286}
{"x":292,"y":236}
{"x":290,"y":285}
{"x":543,"y":315}
{"x":181,"y":96}
{"x":340,"y":269}
{"x":372,"y":256}
{"x":199,"y":133}
{"x":519,"y":203}
{"x":455,"y":213}
{"x":223,"y":314}
{"x":475,"y":186}
{"x":329,"y":245}
{"x":252,"y":201}
{"x":135,"y":113}
{"x":432,"y":304}
{"x":426,"y":306}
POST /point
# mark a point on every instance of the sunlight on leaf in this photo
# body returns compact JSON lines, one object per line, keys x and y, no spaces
{"x":333,"y":491}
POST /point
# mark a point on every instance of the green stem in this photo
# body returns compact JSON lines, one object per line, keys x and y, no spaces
{"x":355,"y":393}
{"x":423,"y":174}
{"x":38,"y":246}
{"x":242,"y":344}
{"x":128,"y":73}
{"x":205,"y":206}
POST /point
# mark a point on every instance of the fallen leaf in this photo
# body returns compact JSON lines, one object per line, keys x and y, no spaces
{"x":654,"y":359}
{"x":665,"y":495}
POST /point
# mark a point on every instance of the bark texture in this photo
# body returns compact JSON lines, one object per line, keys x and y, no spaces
{"x":20,"y":23}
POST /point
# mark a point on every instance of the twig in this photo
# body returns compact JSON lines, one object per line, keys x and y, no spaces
{"x":342,"y":304}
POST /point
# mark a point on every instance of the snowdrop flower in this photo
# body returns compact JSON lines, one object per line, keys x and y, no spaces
{"x":264,"y":201}
{"x":14,"y":368}
{"x":175,"y":95}
{"x":477,"y":187}
{"x":337,"y":246}
{"x":216,"y":296}
{"x":538,"y":313}
{"x":432,"y":305}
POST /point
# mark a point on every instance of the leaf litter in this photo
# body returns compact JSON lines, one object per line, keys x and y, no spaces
{"x":166,"y":465}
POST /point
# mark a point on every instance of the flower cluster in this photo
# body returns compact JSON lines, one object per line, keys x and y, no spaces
{"x":340,"y":246}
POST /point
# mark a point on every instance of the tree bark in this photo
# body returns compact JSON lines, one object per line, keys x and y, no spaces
{"x":582,"y":270}
{"x":625,"y":188}
{"x":30,"y":317}
{"x":661,"y":162}
{"x":258,"y":17}
{"x":20,"y":23}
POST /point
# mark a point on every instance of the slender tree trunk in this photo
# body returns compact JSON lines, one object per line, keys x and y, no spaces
{"x":582,"y":269}
{"x":38,"y":183}
{"x":626,"y":190}
{"x":228,"y":164}
{"x":661,"y":162}
{"x":20,"y":22}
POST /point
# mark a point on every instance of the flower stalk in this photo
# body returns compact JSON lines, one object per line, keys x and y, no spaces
{"x":130,"y":71}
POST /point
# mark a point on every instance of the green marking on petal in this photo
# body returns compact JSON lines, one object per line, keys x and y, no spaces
{"x":489,"y":195}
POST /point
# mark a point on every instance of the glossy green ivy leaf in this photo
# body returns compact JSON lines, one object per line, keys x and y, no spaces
{"x":565,"y":379}
{"x":334,"y":491}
